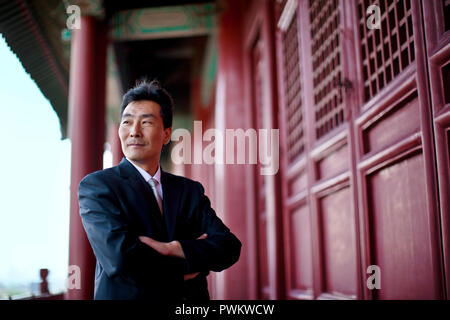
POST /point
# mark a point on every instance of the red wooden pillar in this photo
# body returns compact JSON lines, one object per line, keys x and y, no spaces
{"x":86,"y":131}
{"x":231,"y":193}
{"x":114,"y":142}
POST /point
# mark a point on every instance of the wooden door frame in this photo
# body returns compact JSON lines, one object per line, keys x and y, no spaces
{"x":299,"y":167}
{"x":438,"y":55}
{"x":258,"y":21}
{"x":413,"y":79}
{"x":317,"y":149}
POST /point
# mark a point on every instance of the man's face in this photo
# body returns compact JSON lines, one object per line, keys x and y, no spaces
{"x":142,"y":132}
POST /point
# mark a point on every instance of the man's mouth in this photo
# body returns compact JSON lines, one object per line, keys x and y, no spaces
{"x":136,"y":144}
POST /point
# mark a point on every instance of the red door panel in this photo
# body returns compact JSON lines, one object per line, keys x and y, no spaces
{"x":300,"y":241}
{"x":400,"y":231}
{"x":338,"y":243}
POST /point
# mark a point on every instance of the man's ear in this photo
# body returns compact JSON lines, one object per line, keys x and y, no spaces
{"x":168,"y":133}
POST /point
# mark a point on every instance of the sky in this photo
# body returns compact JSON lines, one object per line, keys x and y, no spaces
{"x":34,"y":181}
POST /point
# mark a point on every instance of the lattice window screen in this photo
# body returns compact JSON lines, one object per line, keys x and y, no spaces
{"x":387,"y":51}
{"x":294,"y":119}
{"x":327,"y":69}
{"x":446,"y":5}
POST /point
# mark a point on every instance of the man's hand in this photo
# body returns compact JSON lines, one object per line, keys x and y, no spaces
{"x":172,"y":249}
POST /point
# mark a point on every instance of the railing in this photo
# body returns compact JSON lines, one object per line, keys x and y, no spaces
{"x":47,"y":296}
{"x":44,"y":293}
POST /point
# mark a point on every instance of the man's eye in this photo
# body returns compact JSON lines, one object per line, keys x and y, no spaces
{"x":125,"y":122}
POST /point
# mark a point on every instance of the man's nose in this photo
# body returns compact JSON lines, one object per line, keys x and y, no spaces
{"x":135,"y":130}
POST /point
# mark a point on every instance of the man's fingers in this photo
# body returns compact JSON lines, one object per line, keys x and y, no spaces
{"x":190,"y":276}
{"x":172,"y":248}
{"x":145,"y":240}
{"x":160,"y":247}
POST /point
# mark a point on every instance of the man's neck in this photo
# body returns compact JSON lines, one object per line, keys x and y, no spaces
{"x":150,"y":167}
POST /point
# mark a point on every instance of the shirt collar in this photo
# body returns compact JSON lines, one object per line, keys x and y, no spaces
{"x":145,"y":174}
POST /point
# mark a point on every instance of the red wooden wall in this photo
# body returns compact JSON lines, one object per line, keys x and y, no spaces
{"x":364,"y":116}
{"x":371,"y":192}
{"x":364,"y":119}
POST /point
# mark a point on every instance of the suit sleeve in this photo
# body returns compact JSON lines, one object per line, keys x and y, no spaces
{"x":115,"y":245}
{"x":220,"y":250}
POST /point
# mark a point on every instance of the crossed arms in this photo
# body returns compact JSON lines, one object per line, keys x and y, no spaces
{"x":170,"y":249}
{"x":121,"y":251}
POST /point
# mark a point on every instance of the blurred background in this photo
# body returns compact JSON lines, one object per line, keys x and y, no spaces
{"x":34,"y":187}
{"x":360,"y":93}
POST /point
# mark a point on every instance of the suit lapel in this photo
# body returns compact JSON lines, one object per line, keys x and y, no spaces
{"x":135,"y":179}
{"x":171,"y":199}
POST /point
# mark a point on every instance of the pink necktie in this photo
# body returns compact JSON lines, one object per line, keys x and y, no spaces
{"x":153,"y":184}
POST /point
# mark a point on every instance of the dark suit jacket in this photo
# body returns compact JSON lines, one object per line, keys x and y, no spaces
{"x":117,"y":206}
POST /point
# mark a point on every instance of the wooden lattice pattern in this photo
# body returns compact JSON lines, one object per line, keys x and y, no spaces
{"x":294,"y":119}
{"x":327,"y":70}
{"x":388,"y":50}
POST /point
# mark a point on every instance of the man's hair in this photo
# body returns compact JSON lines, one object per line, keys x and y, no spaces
{"x":151,"y":91}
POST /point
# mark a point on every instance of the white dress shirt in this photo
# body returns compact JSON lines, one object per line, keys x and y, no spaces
{"x":147,"y":177}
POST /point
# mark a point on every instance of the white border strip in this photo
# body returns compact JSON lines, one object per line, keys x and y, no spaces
{"x":286,"y":16}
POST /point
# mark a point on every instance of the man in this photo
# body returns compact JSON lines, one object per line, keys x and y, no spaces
{"x":154,"y":234}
